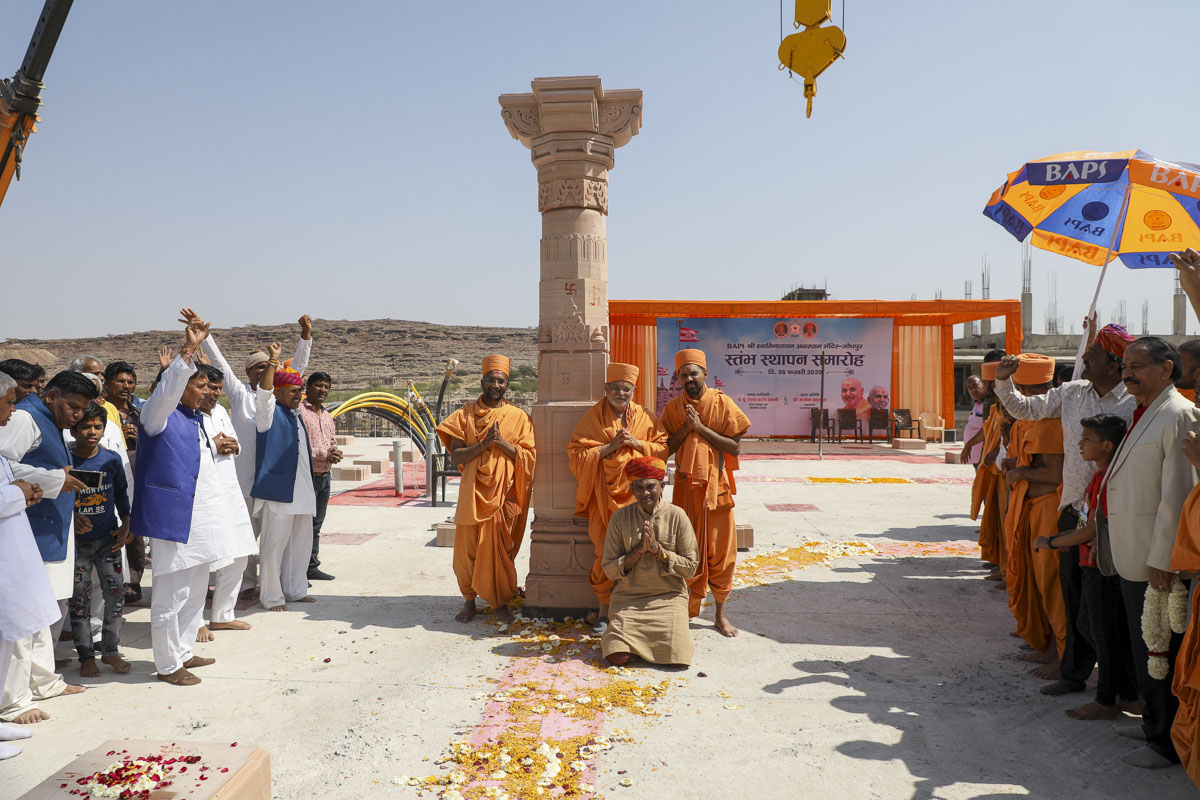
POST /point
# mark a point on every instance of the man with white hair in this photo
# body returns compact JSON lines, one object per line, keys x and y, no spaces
{"x":27,"y":603}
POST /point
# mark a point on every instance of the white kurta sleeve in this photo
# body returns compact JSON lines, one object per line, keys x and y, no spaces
{"x":303,"y":355}
{"x":17,"y":438}
{"x":241,"y":397}
{"x":264,"y":411}
{"x":1040,"y":406}
{"x":166,"y":396}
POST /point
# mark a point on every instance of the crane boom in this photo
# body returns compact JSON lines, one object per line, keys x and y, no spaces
{"x":21,"y":96}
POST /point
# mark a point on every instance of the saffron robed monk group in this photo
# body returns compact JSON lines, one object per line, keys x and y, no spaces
{"x":1087,"y":498}
{"x":653,"y":565}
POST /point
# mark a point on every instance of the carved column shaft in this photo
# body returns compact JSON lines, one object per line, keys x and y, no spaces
{"x":572,"y":128}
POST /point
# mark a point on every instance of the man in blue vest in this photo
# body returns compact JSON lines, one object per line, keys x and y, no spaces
{"x":178,"y":502}
{"x":284,"y":496}
{"x":33,"y":442}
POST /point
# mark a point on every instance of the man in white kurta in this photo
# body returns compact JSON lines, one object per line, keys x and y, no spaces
{"x":227,"y":573}
{"x":285,"y":542}
{"x":27,"y":603}
{"x":242,"y":404}
{"x":32,"y":675}
{"x":180,"y":569}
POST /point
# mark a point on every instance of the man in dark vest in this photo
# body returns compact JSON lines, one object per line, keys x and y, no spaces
{"x":178,"y":502}
{"x":33,"y":442}
{"x":284,"y":496}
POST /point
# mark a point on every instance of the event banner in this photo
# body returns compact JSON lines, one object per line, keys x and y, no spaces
{"x":772,"y":366}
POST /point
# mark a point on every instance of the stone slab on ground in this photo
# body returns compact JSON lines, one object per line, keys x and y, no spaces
{"x":884,"y":675}
{"x":745,"y":537}
{"x":445,"y":534}
{"x":908,"y":444}
{"x":350,"y":473}
{"x":226,"y":770}
{"x":344,"y":441}
{"x":376,"y":465}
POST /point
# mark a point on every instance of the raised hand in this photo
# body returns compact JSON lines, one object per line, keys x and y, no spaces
{"x":273,"y":351}
{"x":1188,"y":264}
{"x":305,"y":327}
{"x":165,"y":354}
{"x":1007,"y":367}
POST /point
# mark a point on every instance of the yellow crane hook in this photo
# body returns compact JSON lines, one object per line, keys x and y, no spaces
{"x":811,"y":51}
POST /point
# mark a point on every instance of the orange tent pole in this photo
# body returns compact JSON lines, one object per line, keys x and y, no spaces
{"x":947,"y":412}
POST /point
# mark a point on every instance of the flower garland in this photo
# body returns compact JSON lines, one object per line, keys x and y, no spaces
{"x":1162,"y":613}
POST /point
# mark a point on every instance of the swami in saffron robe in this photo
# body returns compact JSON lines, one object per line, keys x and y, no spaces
{"x":601,"y":484}
{"x":1034,"y":589}
{"x":493,"y":500}
{"x":1185,"y":732}
{"x":704,"y":489}
{"x":985,"y":494}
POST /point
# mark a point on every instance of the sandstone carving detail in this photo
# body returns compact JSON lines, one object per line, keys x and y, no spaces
{"x":573,"y":193}
{"x":582,"y":246}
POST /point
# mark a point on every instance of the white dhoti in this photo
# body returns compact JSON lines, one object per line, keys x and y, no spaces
{"x":250,"y":572}
{"x":285,"y":546}
{"x":31,"y":675}
{"x":227,"y":582}
{"x":176,"y":614}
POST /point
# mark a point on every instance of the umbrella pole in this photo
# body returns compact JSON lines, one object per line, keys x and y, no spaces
{"x":1103,"y":271}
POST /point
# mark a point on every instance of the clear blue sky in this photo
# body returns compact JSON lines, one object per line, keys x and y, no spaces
{"x":260,"y":160}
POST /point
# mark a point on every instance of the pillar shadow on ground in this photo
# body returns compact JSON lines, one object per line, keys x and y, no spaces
{"x":966,"y":719}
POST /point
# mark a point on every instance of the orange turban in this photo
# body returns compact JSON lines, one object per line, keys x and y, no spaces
{"x":495,"y":362}
{"x":621,"y":372}
{"x":989,"y":370}
{"x":646,"y":467}
{"x":690,"y":357}
{"x":1034,"y":370}
{"x":286,"y":377}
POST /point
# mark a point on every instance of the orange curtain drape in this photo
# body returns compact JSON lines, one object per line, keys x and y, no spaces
{"x":637,"y":344}
{"x":918,"y":378}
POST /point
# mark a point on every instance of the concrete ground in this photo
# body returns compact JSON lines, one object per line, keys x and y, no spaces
{"x":885,"y":673}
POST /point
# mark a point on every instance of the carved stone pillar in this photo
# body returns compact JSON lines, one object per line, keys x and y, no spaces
{"x":572,"y":128}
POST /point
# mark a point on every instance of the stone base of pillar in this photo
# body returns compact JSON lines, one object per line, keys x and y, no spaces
{"x":560,"y":558}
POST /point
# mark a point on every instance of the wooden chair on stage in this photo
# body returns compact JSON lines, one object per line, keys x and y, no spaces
{"x":821,"y":422}
{"x":903,"y":421}
{"x":881,"y":420}
{"x":848,"y":418}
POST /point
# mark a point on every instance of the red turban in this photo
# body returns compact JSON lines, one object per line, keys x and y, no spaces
{"x":1113,"y":339}
{"x":497,"y":363}
{"x":286,"y":377}
{"x":646,"y":467}
{"x":691,"y":356}
{"x":617,"y":371}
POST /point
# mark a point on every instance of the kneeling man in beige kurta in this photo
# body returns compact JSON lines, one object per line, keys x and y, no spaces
{"x":649,"y":554}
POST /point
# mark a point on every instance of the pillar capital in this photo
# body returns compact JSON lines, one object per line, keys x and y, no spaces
{"x":576,"y":105}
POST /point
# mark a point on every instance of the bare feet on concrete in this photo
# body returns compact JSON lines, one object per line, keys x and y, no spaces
{"x":1094,"y":711}
{"x":724,"y":626}
{"x":31,"y":716}
{"x":235,"y":625}
{"x":204,"y":634}
{"x":468,"y":611}
{"x":118,"y":664}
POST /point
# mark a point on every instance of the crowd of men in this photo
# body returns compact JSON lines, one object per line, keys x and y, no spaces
{"x":1089,"y":509}
{"x":97,"y":486}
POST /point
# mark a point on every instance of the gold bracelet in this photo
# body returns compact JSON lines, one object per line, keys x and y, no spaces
{"x":273,"y":363}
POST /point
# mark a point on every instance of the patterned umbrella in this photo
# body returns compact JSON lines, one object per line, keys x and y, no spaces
{"x":1095,"y":207}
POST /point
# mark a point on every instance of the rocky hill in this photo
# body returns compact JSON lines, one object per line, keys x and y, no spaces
{"x":359,"y":354}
